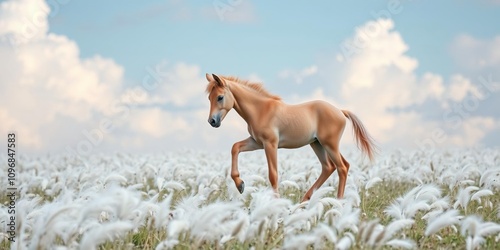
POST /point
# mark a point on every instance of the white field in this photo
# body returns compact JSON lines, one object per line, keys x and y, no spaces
{"x":444,"y":200}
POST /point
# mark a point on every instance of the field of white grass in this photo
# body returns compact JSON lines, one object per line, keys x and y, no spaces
{"x":410,"y":200}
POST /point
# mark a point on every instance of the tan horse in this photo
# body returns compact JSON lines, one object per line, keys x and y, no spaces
{"x":272,"y":124}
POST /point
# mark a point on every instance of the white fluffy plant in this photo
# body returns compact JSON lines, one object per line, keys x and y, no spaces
{"x":266,"y":213}
{"x":475,"y":231}
{"x":374,"y":235}
{"x":419,"y":198}
{"x":212,"y":222}
{"x":324,"y":219}
{"x":118,"y":198}
{"x":449,"y":218}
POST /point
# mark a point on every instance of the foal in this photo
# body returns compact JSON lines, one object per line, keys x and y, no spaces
{"x":272,"y":124}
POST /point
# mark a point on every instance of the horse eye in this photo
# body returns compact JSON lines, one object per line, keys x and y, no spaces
{"x":219,"y":98}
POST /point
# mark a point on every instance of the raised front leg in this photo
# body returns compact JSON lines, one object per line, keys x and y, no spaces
{"x":271,"y":149}
{"x":248,"y":144}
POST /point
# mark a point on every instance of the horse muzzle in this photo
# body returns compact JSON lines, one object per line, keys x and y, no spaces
{"x":214,"y":122}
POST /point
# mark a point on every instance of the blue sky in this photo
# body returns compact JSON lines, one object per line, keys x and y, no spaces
{"x":419,"y":61}
{"x":135,"y":34}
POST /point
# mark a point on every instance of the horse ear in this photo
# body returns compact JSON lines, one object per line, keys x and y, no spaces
{"x":209,"y":77}
{"x":219,"y":81}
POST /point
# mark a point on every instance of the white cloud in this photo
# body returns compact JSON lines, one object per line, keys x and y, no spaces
{"x":316,"y":94}
{"x":254,"y":78}
{"x":476,"y":54}
{"x":49,"y":94}
{"x":460,"y":87}
{"x":23,"y":20}
{"x":56,"y":100}
{"x":181,"y":85}
{"x":379,"y":83}
{"x":158,"y":123}
{"x":46,"y":79}
{"x":473,"y":130}
{"x":299,"y":76}
{"x":380,"y":53}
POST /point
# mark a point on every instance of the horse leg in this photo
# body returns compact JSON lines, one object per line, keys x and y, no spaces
{"x":248,"y":144}
{"x":271,"y":150}
{"x":327,"y":168}
{"x":338,"y":160}
{"x":346,"y":163}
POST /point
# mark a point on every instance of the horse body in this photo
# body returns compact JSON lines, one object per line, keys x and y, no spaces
{"x":299,"y":125}
{"x":273,"y":124}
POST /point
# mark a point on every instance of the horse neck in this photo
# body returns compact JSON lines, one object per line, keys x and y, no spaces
{"x":247,"y":102}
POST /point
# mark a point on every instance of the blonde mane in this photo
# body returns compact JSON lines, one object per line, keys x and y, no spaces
{"x":254,"y":86}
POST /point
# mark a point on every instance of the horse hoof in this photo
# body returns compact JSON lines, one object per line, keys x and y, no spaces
{"x":241,"y":187}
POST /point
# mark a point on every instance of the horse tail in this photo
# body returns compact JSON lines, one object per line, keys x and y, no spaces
{"x":364,"y":141}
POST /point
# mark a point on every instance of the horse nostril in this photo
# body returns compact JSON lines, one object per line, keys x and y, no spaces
{"x":212,"y":121}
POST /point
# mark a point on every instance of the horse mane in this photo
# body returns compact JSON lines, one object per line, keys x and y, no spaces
{"x":254,"y":86}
